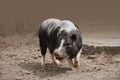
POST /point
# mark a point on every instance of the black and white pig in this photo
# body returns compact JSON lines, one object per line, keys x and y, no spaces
{"x":63,"y":39}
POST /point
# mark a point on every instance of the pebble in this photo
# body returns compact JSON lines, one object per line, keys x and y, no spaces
{"x":92,"y":57}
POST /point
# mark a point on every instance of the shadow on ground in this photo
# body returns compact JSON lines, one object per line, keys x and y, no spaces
{"x":50,"y":69}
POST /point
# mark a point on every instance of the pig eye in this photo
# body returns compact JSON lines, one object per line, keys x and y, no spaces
{"x":73,"y":37}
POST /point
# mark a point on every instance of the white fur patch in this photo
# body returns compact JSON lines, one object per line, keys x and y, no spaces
{"x":79,"y":54}
{"x":59,"y":49}
{"x":67,"y":25}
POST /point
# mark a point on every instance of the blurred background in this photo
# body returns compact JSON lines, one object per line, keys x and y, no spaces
{"x":93,"y":17}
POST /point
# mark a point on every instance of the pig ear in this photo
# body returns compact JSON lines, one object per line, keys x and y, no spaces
{"x":74,"y":37}
{"x":62,"y":32}
{"x":58,"y":28}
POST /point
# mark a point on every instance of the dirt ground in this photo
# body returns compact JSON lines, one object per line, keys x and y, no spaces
{"x":20,"y":60}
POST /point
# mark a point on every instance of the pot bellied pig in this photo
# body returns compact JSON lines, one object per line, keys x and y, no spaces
{"x":63,"y":39}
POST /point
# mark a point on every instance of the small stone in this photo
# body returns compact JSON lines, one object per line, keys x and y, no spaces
{"x":35,"y":57}
{"x":92,"y":57}
{"x":38,"y":50}
{"x":27,"y":72}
